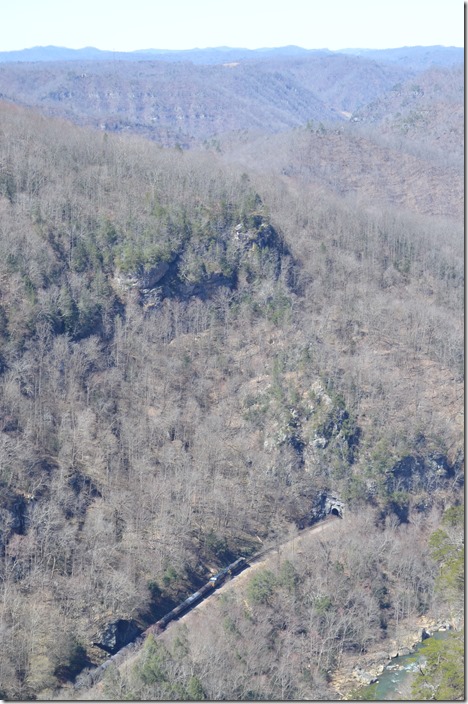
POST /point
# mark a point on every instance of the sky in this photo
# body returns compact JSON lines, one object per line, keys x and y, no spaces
{"x":129,"y":25}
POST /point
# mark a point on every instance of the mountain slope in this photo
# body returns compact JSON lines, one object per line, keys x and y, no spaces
{"x":196,"y":348}
{"x":369,"y":169}
{"x":425,"y":112}
{"x":182,"y":103}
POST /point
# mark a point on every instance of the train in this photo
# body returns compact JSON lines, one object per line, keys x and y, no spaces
{"x":197,"y":596}
{"x":158,"y":627}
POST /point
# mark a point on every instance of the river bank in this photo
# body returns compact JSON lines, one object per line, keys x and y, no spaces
{"x":396,"y":680}
{"x":391,"y":665}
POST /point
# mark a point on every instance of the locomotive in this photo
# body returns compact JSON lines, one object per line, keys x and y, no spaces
{"x":334,"y":506}
{"x":160,"y":625}
{"x":194,"y":598}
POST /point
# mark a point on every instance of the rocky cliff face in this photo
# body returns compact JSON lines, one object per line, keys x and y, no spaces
{"x":142,"y":279}
{"x":415,"y":473}
{"x":116,"y":634}
{"x":235,"y":258}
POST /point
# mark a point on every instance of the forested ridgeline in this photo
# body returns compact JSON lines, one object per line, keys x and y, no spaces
{"x":192,"y":355}
{"x":182,"y":103}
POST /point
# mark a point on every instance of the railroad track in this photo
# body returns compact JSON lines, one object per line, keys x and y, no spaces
{"x":223,"y":579}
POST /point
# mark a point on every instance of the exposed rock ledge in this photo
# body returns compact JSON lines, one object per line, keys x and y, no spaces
{"x":143,"y":279}
{"x":362,"y":670}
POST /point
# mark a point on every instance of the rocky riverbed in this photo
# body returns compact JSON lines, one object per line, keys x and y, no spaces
{"x":365,"y":669}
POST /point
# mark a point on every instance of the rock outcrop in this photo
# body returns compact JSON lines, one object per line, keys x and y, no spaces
{"x":116,"y":634}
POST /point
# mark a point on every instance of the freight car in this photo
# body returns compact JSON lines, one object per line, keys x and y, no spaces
{"x":160,"y":625}
{"x":180,"y":609}
{"x":213,"y":583}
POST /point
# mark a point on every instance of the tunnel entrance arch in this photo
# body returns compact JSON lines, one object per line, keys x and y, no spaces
{"x":334,"y":506}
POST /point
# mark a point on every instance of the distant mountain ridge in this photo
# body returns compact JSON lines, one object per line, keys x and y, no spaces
{"x":185,"y":103}
{"x":191,"y":97}
{"x":212,"y":55}
{"x":416,"y":57}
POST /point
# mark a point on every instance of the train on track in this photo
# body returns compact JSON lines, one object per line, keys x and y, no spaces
{"x":194,"y":598}
{"x":159,"y":626}
{"x":334,"y":507}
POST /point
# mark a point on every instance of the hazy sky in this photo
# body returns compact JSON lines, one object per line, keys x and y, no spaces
{"x":127,"y":25}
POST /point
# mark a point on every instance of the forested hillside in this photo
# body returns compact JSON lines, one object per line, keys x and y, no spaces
{"x":196,"y":348}
{"x":186,"y":104}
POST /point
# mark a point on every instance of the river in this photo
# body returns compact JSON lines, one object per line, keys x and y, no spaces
{"x":394,"y":682}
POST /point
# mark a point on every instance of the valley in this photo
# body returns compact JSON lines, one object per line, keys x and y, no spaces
{"x":228,"y":292}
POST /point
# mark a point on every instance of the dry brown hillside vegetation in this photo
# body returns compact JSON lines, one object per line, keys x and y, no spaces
{"x":425,"y":112}
{"x":364,"y":170}
{"x":182,"y":103}
{"x":196,"y":348}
